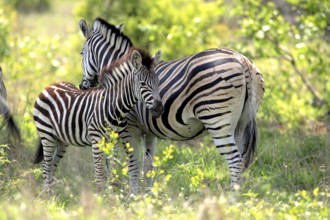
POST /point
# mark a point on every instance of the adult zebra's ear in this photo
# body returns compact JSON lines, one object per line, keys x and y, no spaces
{"x":157,"y":58}
{"x":84,"y":28}
{"x":120,"y":27}
{"x":136,"y":59}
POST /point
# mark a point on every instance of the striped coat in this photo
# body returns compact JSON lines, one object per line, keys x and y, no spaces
{"x":215,"y":91}
{"x":65,"y":115}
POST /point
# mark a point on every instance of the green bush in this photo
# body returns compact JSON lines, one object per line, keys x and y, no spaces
{"x":4,"y":33}
{"x":176,"y":27}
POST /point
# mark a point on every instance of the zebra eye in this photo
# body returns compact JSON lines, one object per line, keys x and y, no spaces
{"x":142,"y":83}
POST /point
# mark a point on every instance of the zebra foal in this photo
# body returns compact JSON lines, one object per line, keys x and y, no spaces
{"x":215,"y":91}
{"x":65,"y":115}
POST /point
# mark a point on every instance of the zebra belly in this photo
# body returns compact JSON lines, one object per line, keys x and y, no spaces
{"x":178,"y":132}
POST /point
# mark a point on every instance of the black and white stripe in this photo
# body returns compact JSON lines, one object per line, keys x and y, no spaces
{"x":65,"y":115}
{"x":98,"y":37}
{"x":4,"y":110}
{"x":217,"y":91}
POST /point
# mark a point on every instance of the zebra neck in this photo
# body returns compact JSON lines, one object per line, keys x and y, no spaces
{"x":121,"y":99}
{"x":113,"y":52}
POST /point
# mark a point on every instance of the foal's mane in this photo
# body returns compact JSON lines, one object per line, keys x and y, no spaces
{"x":103,"y":27}
{"x":107,"y":71}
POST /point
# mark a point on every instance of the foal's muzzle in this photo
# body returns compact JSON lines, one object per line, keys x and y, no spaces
{"x":84,"y":85}
{"x":157,"y":109}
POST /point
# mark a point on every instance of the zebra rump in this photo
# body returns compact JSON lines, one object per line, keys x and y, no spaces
{"x":246,"y":132}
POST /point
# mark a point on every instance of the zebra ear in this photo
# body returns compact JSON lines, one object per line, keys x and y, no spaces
{"x":136,"y":59}
{"x":84,"y":28}
{"x":157,"y":58}
{"x":120,"y":27}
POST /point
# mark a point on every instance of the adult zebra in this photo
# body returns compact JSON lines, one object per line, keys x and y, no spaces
{"x":4,"y":110}
{"x":65,"y":115}
{"x":216,"y":90}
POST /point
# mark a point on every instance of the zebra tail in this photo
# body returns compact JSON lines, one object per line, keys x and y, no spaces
{"x":246,"y":133}
{"x":39,"y":155}
{"x":249,"y":142}
{"x":11,"y":125}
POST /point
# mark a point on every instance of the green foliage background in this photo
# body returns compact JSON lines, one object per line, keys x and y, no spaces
{"x":40,"y":44}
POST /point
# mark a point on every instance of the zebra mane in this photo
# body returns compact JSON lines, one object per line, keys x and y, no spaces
{"x":104,"y":28}
{"x":108,"y":73}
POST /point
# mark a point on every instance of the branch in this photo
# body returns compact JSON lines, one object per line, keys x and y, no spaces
{"x":318,"y":101}
{"x":287,"y":55}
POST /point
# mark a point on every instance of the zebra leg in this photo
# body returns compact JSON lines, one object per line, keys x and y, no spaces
{"x":222,"y":130}
{"x":99,"y":167}
{"x":150,"y":146}
{"x":133,"y":164}
{"x":60,"y":151}
{"x":49,"y":149}
{"x":228,"y":149}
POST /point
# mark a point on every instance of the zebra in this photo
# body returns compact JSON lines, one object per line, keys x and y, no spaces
{"x":216,"y":91}
{"x":65,"y":115}
{"x":4,"y":110}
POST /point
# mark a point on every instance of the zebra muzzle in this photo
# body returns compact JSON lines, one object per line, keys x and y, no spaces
{"x":157,"y":109}
{"x":84,"y":85}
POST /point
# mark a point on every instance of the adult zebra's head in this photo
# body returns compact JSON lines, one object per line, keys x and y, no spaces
{"x":147,"y":81}
{"x":104,"y":44}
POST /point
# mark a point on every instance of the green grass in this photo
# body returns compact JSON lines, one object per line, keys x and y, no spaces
{"x":190,"y":182}
{"x":193,"y":183}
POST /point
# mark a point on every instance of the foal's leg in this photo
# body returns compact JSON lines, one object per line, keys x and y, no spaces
{"x":58,"y":155}
{"x":150,"y":146}
{"x":99,"y":167}
{"x":49,"y":149}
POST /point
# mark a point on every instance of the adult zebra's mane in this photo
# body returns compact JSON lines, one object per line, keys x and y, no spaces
{"x":104,"y":28}
{"x":108,"y":73}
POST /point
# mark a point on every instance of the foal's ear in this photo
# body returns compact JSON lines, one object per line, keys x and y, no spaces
{"x":157,"y":58}
{"x":84,"y":28}
{"x":136,"y":59}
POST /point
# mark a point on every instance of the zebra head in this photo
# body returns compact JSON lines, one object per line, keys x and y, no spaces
{"x":100,"y":49}
{"x":89,"y":64}
{"x":147,"y":82}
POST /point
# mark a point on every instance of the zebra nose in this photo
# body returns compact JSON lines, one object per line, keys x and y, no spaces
{"x":84,"y":85}
{"x":157,"y":109}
